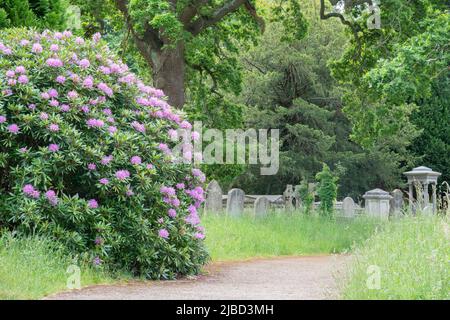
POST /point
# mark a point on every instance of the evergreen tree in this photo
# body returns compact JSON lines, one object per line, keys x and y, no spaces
{"x":326,"y":190}
{"x":33,"y":13}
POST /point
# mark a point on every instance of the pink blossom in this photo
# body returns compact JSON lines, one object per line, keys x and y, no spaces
{"x":122,"y":174}
{"x":54,"y":47}
{"x":23,"y":150}
{"x":85,"y":109}
{"x":107,"y":111}
{"x":163,"y":233}
{"x":37,"y":48}
{"x":45,"y":96}
{"x":180,"y":186}
{"x":88,"y":82}
{"x":105,"y":89}
{"x":30,"y":191}
{"x":136,"y":160}
{"x":185,"y":125}
{"x":32,"y":106}
{"x":10,"y":74}
{"x":93,"y":204}
{"x":97,"y":123}
{"x":43,"y":116}
{"x":53,"y":127}
{"x":72,"y":95}
{"x":21,"y":69}
{"x":13,"y":128}
{"x":84,"y":63}
{"x":92,"y":166}
{"x":149,"y":166}
{"x":54,"y":103}
{"x":173,"y":134}
{"x":164,"y":148}
{"x":53,"y":147}
{"x":79,"y":40}
{"x":61,"y":79}
{"x":51,"y":197}
{"x":65,"y":108}
{"x":53,"y":93}
{"x":96,"y":37}
{"x":172,"y":213}
{"x":54,"y":62}
{"x":138,"y":126}
{"x":112,"y":129}
{"x":106,"y":160}
{"x":199,"y":235}
{"x":24,"y":42}
{"x":12,"y":82}
{"x":2,"y":119}
{"x":104,"y":181}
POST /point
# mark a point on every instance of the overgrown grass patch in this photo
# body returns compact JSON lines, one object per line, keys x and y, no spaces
{"x":412,"y":255}
{"x":33,"y":267}
{"x":282,"y":234}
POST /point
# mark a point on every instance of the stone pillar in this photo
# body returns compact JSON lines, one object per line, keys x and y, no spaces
{"x":426,"y":195}
{"x":433,"y":186}
{"x":411,"y":196}
{"x":377,"y":203}
{"x":288,"y":197}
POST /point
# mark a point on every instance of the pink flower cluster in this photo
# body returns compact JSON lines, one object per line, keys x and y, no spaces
{"x":95,"y":123}
{"x":30,"y":191}
{"x":51,"y":197}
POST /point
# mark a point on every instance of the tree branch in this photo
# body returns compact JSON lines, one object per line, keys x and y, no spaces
{"x":202,"y":23}
{"x":191,"y":11}
{"x":150,"y":38}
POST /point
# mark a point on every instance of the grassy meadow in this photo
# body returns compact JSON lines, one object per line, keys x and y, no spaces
{"x":282,"y":234}
{"x":412,"y":256}
{"x":31,"y":268}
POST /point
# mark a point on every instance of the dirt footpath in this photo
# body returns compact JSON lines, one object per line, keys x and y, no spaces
{"x":281,"y":278}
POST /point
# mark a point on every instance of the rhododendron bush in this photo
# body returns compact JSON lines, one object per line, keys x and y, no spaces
{"x":85,"y":157}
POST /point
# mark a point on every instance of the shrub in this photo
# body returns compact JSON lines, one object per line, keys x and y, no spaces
{"x":85,"y":157}
{"x":326,"y":190}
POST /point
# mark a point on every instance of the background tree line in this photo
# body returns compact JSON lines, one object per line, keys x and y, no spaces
{"x":368,"y":102}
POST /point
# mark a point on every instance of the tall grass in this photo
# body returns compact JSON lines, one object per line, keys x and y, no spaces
{"x":413,"y":256}
{"x":281,"y":234}
{"x":31,"y":268}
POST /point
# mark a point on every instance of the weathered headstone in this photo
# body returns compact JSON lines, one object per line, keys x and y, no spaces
{"x":213,"y":202}
{"x":377,"y":203}
{"x":261,"y":206}
{"x":297,"y":199}
{"x":348,"y":207}
{"x":288,"y":197}
{"x":396,"y":203}
{"x":235,"y":202}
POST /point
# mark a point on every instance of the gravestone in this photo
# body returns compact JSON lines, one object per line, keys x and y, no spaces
{"x":297,"y":199}
{"x":288,"y":197}
{"x":261,"y":206}
{"x":396,"y":203}
{"x":213,"y":202}
{"x":235,"y":202}
{"x":377,"y":203}
{"x":348,"y":207}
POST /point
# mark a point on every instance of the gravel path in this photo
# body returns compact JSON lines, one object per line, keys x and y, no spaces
{"x":281,"y":278}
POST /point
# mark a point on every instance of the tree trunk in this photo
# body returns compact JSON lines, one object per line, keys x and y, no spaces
{"x":169,"y":73}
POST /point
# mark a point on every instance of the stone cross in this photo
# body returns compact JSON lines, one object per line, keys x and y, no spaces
{"x":235,"y":202}
{"x":348,"y":207}
{"x":396,"y":203}
{"x":261,"y":206}
{"x":213,"y":202}
{"x":288,"y":196}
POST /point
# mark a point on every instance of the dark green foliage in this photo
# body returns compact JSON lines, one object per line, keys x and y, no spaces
{"x":33,"y":13}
